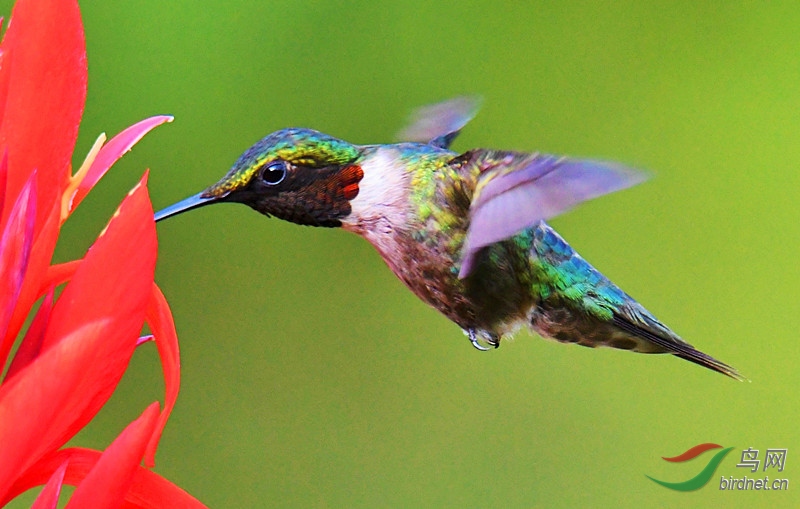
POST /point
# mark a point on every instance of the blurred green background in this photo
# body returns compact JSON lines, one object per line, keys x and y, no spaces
{"x":313,"y":378}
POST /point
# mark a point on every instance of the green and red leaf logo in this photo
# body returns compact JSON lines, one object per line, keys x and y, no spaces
{"x":704,"y":476}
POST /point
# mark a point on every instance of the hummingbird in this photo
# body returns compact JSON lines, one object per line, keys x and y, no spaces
{"x":466,"y":232}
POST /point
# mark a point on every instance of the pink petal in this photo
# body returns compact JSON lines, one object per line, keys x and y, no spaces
{"x":159,"y":318}
{"x":48,"y":498}
{"x":107,"y":483}
{"x":148,"y":490}
{"x":32,"y":289}
{"x":42,"y":93}
{"x":15,"y":248}
{"x":112,"y":151}
{"x":145,"y":339}
{"x":32,"y":342}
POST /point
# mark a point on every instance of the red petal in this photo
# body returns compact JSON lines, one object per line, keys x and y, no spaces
{"x":15,"y":248}
{"x":48,"y":498}
{"x":148,"y":490}
{"x":159,"y":318}
{"x":35,"y":285}
{"x":115,"y":277}
{"x":3,"y":176}
{"x":32,"y":342}
{"x":107,"y":483}
{"x":42,"y":406}
{"x":91,"y":337}
{"x":60,"y":274}
{"x":112,"y":151}
{"x":43,"y":76}
{"x":5,"y":79}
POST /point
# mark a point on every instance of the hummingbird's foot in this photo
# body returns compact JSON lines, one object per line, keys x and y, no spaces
{"x":492,"y":341}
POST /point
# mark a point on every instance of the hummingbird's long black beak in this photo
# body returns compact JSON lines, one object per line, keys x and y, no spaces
{"x":192,"y":202}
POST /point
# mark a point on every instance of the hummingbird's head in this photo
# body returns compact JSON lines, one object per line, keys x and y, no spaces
{"x":300,"y":175}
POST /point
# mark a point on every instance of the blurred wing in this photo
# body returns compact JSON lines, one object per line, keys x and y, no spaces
{"x":438,"y":124}
{"x":518,"y":193}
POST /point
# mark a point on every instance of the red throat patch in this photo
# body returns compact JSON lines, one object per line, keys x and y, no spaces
{"x":349,"y":177}
{"x":315,"y":196}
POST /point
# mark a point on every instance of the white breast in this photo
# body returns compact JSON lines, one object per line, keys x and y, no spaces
{"x":380,"y":210}
{"x":382,"y":201}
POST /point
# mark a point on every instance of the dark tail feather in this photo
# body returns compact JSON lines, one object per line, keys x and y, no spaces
{"x":674,"y":345}
{"x":709,"y":362}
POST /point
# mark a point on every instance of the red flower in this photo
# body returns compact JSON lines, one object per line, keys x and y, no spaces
{"x":78,"y":346}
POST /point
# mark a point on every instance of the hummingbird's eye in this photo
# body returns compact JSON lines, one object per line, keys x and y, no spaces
{"x":274,"y":173}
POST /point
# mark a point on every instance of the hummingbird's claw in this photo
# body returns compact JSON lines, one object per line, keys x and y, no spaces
{"x":477,"y":345}
{"x":492,"y":342}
